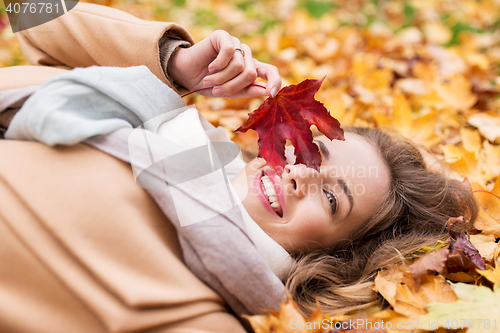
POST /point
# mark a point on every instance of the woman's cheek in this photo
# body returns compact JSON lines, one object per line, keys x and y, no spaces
{"x":310,"y":228}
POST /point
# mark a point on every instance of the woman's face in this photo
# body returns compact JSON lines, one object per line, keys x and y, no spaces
{"x":311,"y":209}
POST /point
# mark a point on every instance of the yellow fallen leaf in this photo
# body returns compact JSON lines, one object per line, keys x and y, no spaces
{"x":436,"y":32}
{"x":471,"y":140}
{"x":319,"y":47}
{"x":492,"y":230}
{"x":412,"y":86}
{"x":452,"y":153}
{"x":457,"y":93}
{"x":489,"y":202}
{"x":386,"y":283}
{"x":420,"y":129}
{"x":413,"y":303}
{"x":397,"y":287}
{"x":485,"y":244}
{"x":366,"y":72}
{"x":428,"y":72}
{"x":333,"y":102}
{"x":265,"y":324}
{"x":490,"y":156}
{"x":492,"y":274}
{"x":289,"y":320}
{"x":449,"y":62}
{"x":464,"y":163}
{"x":488,"y":126}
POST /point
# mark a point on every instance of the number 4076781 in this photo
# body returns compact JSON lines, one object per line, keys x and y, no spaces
{"x":31,"y":7}
{"x":484,"y":324}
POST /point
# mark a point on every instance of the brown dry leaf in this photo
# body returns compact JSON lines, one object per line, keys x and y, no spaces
{"x":386,"y":283}
{"x":398,"y":288}
{"x":462,"y":277}
{"x":413,"y":303}
{"x":432,"y":262}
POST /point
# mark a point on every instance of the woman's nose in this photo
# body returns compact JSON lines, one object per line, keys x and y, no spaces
{"x":300,"y":180}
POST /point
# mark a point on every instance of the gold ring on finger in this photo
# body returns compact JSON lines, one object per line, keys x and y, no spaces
{"x":241,"y":51}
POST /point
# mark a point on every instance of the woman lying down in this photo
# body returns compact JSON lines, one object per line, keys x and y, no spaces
{"x":86,"y":249}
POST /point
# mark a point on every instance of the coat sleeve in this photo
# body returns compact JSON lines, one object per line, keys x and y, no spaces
{"x":91,"y":35}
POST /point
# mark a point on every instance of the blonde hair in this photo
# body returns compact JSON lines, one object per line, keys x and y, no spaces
{"x":414,"y":214}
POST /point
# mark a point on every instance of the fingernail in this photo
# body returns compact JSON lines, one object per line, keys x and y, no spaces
{"x":217,"y":91}
{"x":207,"y":83}
{"x":274,"y":92}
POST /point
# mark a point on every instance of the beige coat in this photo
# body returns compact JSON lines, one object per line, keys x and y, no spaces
{"x":82,"y":247}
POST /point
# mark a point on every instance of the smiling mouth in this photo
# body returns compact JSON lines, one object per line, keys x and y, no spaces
{"x":270,"y":194}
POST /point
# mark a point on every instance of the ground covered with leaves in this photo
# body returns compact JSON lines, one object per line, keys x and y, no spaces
{"x":427,"y":68}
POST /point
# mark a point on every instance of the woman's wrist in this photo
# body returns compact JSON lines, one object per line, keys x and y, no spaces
{"x":167,"y":48}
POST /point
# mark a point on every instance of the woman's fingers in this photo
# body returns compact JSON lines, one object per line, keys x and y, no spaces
{"x":222,"y":62}
{"x":234,"y":68}
{"x":239,"y":74}
{"x":232,"y":72}
{"x":257,"y":88}
{"x":225,"y":45}
{"x":271,"y":74}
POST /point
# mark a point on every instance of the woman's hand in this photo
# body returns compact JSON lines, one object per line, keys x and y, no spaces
{"x":216,"y":62}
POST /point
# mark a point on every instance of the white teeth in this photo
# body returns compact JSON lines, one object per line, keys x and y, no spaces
{"x":270,"y":193}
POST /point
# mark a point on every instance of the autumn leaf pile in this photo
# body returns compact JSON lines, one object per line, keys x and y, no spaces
{"x":427,"y":68}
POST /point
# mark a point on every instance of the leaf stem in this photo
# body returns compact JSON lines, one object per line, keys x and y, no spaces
{"x":493,"y":194}
{"x":195,"y":91}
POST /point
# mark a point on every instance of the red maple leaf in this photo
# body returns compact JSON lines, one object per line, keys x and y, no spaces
{"x":290,"y":115}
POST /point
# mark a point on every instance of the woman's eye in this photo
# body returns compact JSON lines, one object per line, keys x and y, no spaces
{"x":333,"y":201}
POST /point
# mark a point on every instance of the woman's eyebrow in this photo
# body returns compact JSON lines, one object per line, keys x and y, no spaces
{"x":347,"y":191}
{"x":323,"y":148}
